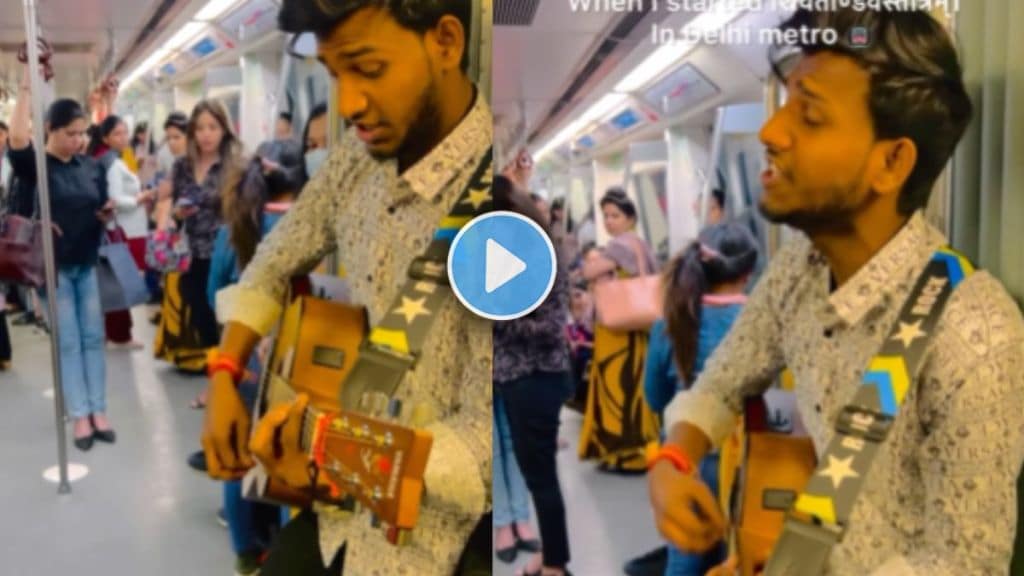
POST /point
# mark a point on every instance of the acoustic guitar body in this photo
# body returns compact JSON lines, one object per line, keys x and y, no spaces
{"x":316,"y":347}
{"x":317,"y":344}
{"x":776,"y":469}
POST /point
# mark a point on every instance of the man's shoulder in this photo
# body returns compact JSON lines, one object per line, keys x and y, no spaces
{"x":980,"y":320}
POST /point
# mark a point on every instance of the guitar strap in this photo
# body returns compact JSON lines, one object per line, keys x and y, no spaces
{"x":820,"y":515}
{"x":395,"y":343}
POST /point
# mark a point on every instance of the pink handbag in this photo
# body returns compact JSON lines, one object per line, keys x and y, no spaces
{"x":629,"y":304}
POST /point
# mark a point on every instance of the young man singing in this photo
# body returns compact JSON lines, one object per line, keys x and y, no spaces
{"x":853,"y":156}
{"x":419,"y":131}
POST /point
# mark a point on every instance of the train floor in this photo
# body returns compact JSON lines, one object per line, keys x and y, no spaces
{"x":140,"y":509}
{"x":609,"y":516}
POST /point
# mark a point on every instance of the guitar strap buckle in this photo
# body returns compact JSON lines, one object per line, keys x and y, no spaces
{"x":861,"y":422}
{"x":802,"y":549}
{"x":430,"y":270}
{"x":377,"y":370}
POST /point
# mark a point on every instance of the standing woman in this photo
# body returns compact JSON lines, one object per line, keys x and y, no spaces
{"x":211,"y":164}
{"x":80,"y":210}
{"x":618,"y":424}
{"x":531,"y":382}
{"x":131,"y":205}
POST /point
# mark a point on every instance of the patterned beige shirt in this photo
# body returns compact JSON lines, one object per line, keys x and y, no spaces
{"x":379,"y":221}
{"x":941,"y":495}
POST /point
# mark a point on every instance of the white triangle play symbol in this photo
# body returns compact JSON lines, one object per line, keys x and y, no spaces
{"x":500,"y":266}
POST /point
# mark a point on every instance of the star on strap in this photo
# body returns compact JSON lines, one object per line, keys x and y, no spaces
{"x":478,"y":197}
{"x":909,"y":333}
{"x":839,"y":470}
{"x":412,"y":309}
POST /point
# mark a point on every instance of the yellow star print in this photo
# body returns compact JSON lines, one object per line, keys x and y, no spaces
{"x":478,"y":197}
{"x":909,"y":333}
{"x":412,"y":309}
{"x":839,"y":470}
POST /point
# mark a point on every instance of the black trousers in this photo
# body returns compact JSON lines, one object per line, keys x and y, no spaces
{"x":297,"y":551}
{"x":202,"y":319}
{"x":533,"y":404}
{"x":5,"y":338}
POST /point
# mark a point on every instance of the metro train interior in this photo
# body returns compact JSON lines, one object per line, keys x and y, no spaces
{"x":584,"y":101}
{"x":599,"y":103}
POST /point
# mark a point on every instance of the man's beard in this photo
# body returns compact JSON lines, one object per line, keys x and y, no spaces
{"x":835,"y":216}
{"x":423,"y":133}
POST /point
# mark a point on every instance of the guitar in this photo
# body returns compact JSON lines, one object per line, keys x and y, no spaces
{"x":375,"y":458}
{"x":771,"y":469}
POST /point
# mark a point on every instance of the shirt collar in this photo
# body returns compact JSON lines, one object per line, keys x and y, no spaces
{"x":905,"y":254}
{"x":465,"y":144}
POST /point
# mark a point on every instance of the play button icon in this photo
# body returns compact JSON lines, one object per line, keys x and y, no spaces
{"x":502,"y":266}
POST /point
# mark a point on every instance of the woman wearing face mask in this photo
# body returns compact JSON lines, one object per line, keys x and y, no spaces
{"x":314,"y":140}
{"x":131,"y":205}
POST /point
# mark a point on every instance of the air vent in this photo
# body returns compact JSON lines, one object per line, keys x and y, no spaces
{"x":515,"y":12}
{"x":58,"y":47}
{"x":624,"y":28}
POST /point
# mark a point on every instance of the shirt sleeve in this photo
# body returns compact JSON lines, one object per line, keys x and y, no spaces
{"x":658,"y":387}
{"x":221,"y":265}
{"x":747,"y":359}
{"x":116,"y":190}
{"x":300,"y":241}
{"x":970,"y":462}
{"x":546,"y":323}
{"x":459,"y":471}
{"x":23,"y":164}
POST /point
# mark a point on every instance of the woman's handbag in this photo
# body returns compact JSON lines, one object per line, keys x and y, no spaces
{"x":121,"y":282}
{"x":21,"y":251}
{"x":628,"y":304}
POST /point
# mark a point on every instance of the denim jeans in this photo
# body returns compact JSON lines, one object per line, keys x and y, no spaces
{"x":83,"y":362}
{"x":692,"y":564}
{"x":511,"y":498}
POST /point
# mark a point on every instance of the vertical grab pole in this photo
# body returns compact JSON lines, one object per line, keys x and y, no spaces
{"x":772,"y":103}
{"x":43,"y":190}
{"x":333,"y":133}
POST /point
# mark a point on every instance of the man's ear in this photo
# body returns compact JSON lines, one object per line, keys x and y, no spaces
{"x":898,"y":162}
{"x":450,"y":39}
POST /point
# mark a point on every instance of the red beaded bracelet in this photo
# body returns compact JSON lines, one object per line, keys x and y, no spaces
{"x":674,"y":455}
{"x":219,"y":362}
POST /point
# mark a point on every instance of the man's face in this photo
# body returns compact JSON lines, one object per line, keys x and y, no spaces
{"x":820,"y":146}
{"x":387,"y":82}
{"x":283,"y":130}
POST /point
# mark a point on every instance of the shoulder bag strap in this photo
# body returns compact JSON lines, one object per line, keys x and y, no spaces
{"x":395,"y":343}
{"x":820,"y":515}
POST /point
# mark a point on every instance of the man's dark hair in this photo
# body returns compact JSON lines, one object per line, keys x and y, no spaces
{"x":323,"y":16}
{"x":3,"y":126}
{"x":917,"y":88}
{"x":286,"y":116}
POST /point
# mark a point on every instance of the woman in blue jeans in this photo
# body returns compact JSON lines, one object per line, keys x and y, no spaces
{"x":705,"y":288}
{"x":80,"y":210}
{"x":273,"y":179}
{"x":511,"y":497}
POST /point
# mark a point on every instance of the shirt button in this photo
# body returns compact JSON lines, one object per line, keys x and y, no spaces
{"x":391,"y":209}
{"x":369,"y":278}
{"x":817,"y":408}
{"x":828,"y":332}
